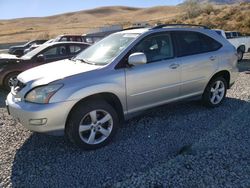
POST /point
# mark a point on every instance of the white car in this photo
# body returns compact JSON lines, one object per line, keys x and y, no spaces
{"x":240,"y":42}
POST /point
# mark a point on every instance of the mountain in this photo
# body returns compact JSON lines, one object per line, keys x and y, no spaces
{"x":228,"y":17}
{"x":221,"y":2}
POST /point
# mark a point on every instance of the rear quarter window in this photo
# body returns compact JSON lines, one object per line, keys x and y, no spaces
{"x":190,"y":43}
{"x":74,"y":49}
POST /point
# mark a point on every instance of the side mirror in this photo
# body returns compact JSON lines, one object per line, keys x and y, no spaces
{"x":40,"y":58}
{"x":137,"y":58}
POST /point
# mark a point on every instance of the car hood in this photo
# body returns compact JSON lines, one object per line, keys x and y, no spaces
{"x":50,"y":72}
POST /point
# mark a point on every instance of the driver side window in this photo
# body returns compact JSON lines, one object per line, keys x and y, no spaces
{"x":55,"y":52}
{"x":156,"y":48}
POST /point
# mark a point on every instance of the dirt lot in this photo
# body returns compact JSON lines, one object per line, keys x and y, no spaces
{"x":182,"y":144}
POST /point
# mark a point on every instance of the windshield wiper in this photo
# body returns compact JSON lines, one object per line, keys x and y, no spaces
{"x":84,"y":61}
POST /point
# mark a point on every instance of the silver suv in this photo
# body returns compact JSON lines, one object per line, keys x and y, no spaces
{"x":89,"y":96}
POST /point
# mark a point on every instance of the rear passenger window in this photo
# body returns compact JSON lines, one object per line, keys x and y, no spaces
{"x":189,"y":43}
{"x":63,"y":39}
{"x":55,"y":52}
{"x":78,"y":39}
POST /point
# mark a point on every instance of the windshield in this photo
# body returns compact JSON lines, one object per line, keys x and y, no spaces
{"x":104,"y":51}
{"x":34,"y":52}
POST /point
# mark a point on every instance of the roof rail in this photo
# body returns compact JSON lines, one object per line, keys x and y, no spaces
{"x":179,"y":25}
{"x":129,"y":28}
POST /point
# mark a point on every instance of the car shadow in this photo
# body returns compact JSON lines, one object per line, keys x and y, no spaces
{"x":143,"y":142}
{"x":244,"y":64}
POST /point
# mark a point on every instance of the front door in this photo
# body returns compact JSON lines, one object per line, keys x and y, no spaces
{"x":156,"y":82}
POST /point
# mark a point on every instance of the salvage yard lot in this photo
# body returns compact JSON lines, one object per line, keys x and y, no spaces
{"x":183,"y":144}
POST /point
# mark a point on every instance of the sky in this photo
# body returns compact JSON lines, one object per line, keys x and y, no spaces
{"x":38,"y":8}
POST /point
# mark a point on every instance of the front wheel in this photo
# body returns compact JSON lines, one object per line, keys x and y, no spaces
{"x":92,"y":124}
{"x":8,"y":80}
{"x":215,"y":92}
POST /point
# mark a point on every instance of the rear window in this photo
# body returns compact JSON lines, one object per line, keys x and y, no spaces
{"x":190,"y":43}
{"x":228,"y":35}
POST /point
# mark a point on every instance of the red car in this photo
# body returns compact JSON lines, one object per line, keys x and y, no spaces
{"x":11,"y":65}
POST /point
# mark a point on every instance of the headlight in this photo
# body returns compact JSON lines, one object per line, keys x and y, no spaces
{"x":42,"y":94}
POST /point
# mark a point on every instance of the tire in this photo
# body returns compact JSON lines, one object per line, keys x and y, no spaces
{"x":87,"y":119}
{"x":215,"y":92}
{"x":240,"y":54}
{"x":6,"y":81}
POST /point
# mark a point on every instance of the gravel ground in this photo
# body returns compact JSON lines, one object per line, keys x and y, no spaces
{"x":182,"y":144}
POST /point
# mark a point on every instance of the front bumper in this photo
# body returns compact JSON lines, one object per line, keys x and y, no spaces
{"x":44,"y":118}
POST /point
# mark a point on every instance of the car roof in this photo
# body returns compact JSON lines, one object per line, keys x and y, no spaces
{"x":168,"y":27}
{"x":65,"y":42}
{"x":151,"y":30}
{"x":69,"y":35}
{"x":138,"y":31}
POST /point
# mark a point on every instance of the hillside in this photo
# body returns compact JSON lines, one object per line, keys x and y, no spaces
{"x":229,"y":17}
{"x":221,"y":1}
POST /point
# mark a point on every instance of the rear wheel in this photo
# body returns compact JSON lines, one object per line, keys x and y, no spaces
{"x":8,"y":80}
{"x":240,"y":54}
{"x":92,"y":124}
{"x":215,"y":92}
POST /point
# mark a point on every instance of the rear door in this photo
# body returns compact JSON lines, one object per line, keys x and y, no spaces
{"x":157,"y":81}
{"x":198,"y":56}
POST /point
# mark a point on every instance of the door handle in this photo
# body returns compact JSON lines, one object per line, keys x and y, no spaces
{"x":212,"y":58}
{"x":174,"y":66}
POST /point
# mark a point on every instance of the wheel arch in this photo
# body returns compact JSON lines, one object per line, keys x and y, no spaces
{"x":223,"y":73}
{"x":242,"y":47}
{"x":110,"y":98}
{"x":8,"y":74}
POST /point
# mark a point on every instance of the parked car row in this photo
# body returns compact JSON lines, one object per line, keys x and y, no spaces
{"x":35,"y":53}
{"x":27,"y":47}
{"x":87,"y":38}
{"x":19,"y":50}
{"x":88,"y":96}
{"x":11,"y":65}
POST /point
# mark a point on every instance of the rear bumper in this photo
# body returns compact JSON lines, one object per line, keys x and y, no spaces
{"x":44,"y":118}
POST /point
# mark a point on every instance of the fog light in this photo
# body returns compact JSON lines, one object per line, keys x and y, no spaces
{"x":38,"y":121}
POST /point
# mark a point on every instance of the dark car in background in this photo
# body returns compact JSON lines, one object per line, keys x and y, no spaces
{"x":62,"y":38}
{"x":19,"y":50}
{"x":94,"y":37}
{"x":11,"y":66}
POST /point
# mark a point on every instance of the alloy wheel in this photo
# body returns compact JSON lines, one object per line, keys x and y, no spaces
{"x":217,"y":92}
{"x":95,"y":127}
